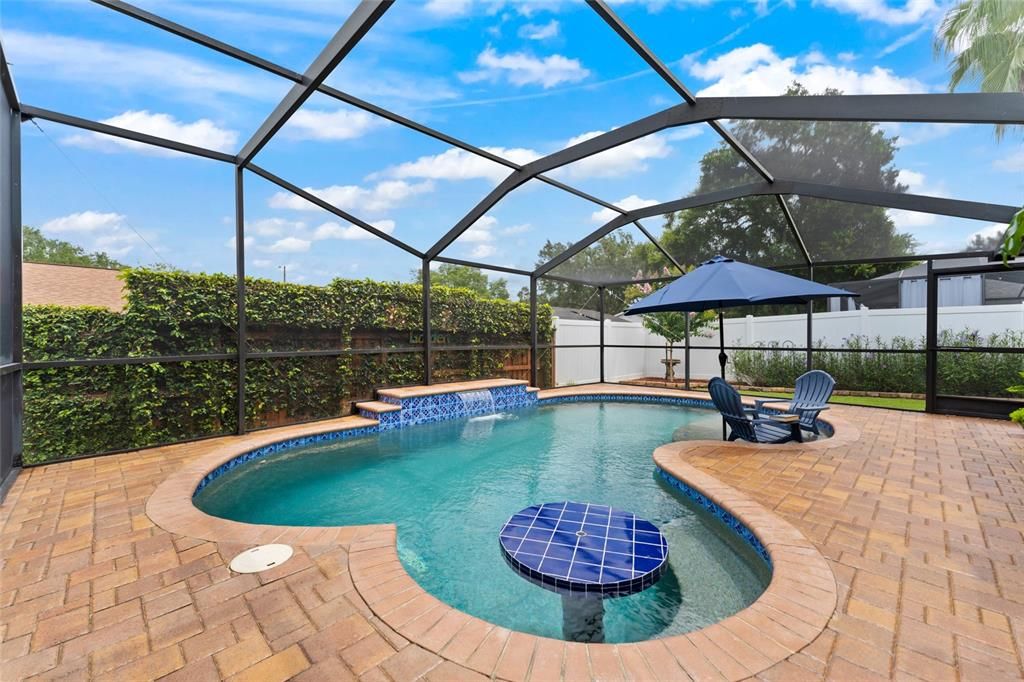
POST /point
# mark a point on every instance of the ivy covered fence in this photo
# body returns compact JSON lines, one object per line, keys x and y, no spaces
{"x":72,"y":411}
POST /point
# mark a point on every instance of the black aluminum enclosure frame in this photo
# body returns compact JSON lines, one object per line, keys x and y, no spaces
{"x":976,"y":108}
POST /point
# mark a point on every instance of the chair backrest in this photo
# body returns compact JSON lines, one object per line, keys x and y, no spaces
{"x":727,"y":400}
{"x":813,"y":388}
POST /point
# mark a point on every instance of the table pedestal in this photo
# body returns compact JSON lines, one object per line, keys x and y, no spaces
{"x":613,"y":554}
{"x":583,"y":618}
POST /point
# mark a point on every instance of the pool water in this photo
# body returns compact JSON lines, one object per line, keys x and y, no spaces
{"x":451,"y":486}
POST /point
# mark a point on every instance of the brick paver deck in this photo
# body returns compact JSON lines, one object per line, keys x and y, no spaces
{"x":921,"y":520}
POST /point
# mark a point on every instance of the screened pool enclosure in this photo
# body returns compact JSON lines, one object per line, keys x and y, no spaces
{"x":189,"y":358}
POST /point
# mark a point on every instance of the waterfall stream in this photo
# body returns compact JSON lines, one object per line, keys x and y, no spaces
{"x":477,"y":402}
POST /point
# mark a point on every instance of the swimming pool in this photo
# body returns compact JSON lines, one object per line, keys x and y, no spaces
{"x":450,"y":486}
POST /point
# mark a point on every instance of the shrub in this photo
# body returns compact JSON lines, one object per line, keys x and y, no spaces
{"x":859,"y":367}
{"x":83,"y":410}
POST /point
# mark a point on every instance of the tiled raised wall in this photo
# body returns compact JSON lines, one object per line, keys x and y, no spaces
{"x":444,"y":406}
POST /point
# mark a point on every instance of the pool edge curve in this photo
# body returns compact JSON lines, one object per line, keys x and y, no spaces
{"x":790,"y":614}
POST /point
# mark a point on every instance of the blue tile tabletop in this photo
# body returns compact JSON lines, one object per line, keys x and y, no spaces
{"x":589,"y":549}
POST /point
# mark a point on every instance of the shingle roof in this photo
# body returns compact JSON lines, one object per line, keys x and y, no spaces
{"x":71,"y":285}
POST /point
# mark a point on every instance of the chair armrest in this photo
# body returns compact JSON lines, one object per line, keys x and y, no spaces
{"x":762,"y":401}
{"x":812,"y":407}
{"x":770,"y":421}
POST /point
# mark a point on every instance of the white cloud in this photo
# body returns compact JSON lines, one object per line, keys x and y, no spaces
{"x":381,"y":84}
{"x":757,"y":70}
{"x":910,"y":134}
{"x":993,"y":230}
{"x":483,"y":251}
{"x":91,"y":63}
{"x":683,"y":133}
{"x":341,"y":124}
{"x":911,"y":12}
{"x":448,"y":8}
{"x":626,"y":159}
{"x":288,"y":245}
{"x":910,"y":220}
{"x":202,"y":133}
{"x":905,"y":40}
{"x":272,"y":227}
{"x":457,"y":164}
{"x":325,"y":18}
{"x":539,"y":31}
{"x":629,"y":203}
{"x":333,"y":230}
{"x":511,"y":230}
{"x":521,"y":68}
{"x":86,"y":221}
{"x":1013,"y":163}
{"x":381,"y":197}
{"x":480,"y":231}
{"x":95,"y":231}
{"x":230,"y":244}
{"x":260,"y":263}
{"x":482,"y":235}
{"x":916,"y":183}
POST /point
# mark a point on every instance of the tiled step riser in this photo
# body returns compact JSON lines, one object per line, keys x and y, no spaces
{"x":445,"y":406}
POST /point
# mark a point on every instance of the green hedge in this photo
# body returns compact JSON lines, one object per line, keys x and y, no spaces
{"x":964,"y":373}
{"x":73,"y":411}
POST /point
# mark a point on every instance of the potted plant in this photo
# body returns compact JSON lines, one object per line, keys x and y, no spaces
{"x":671,"y":326}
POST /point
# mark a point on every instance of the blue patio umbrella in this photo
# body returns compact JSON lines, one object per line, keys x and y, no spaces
{"x":726,"y":283}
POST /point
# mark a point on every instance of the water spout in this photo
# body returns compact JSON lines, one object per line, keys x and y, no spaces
{"x":475,"y":403}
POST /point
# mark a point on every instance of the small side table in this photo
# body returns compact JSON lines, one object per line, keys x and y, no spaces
{"x":794,"y":424}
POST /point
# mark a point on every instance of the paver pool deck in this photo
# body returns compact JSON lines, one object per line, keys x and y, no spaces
{"x":898,"y":547}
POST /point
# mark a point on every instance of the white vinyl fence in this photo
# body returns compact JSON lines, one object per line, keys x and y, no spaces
{"x":581,"y":365}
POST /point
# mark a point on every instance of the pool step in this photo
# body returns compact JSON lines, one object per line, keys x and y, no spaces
{"x":532,"y":389}
{"x":407,"y":392}
{"x":376,"y":407}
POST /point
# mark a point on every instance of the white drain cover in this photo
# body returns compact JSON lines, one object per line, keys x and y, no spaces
{"x":261,"y":558}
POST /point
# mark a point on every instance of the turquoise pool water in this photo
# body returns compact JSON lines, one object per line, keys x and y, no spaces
{"x":451,"y":486}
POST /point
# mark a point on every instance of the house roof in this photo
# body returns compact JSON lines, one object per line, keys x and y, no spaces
{"x":585,"y":314}
{"x":921,"y":269}
{"x":71,"y":285}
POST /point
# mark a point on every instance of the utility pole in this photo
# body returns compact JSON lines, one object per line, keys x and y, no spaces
{"x":284,"y":272}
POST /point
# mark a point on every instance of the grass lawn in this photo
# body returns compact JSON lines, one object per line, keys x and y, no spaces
{"x":866,"y":401}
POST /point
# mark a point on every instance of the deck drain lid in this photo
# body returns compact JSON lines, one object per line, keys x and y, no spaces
{"x":261,"y":558}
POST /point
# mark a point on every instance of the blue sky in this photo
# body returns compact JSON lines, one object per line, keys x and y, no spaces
{"x":520,"y":78}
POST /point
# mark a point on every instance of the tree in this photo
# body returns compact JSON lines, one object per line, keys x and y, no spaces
{"x":616,"y":257}
{"x":1013,"y":240}
{"x":670,"y":325}
{"x":464,"y":277}
{"x":38,"y":248}
{"x":981,"y":242}
{"x":754,"y":229}
{"x":986,"y":41}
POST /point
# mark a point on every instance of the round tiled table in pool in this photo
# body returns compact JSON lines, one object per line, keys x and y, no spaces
{"x":585,"y":552}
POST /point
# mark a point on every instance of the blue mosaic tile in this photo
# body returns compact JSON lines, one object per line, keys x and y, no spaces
{"x":556,"y":546}
{"x":444,"y":406}
{"x":723,"y":515}
{"x":280,"y":446}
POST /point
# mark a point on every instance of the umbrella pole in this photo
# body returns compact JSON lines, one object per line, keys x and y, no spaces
{"x":722,"y":357}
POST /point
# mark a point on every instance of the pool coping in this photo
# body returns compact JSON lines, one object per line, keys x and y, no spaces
{"x":792,"y":611}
